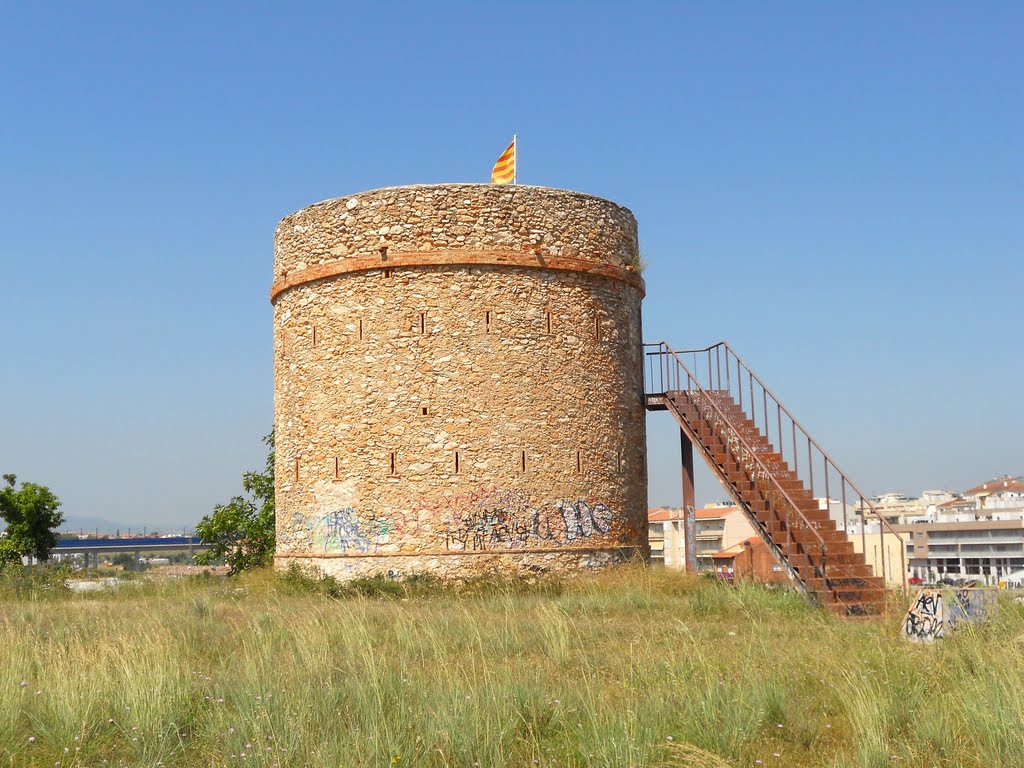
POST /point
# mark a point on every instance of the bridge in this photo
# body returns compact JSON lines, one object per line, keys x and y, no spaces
{"x":94,"y":547}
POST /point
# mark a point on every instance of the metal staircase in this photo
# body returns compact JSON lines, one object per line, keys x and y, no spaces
{"x":773,"y":469}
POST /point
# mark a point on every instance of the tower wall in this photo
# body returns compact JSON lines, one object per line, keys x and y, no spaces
{"x":458,"y":382}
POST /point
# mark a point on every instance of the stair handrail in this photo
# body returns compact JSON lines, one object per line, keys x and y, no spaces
{"x":665,"y":349}
{"x":864,"y":501}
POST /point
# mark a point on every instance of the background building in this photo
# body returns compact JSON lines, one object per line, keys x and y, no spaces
{"x":724,"y":537}
{"x":977,"y":535}
{"x":719,"y":527}
{"x":897,"y":508}
{"x":749,"y":559}
{"x":666,"y":537}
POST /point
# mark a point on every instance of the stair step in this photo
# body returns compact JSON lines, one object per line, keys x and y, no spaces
{"x":843,"y":583}
{"x":800,"y":530}
{"x":845,"y":558}
{"x":819,"y":517}
{"x":840,"y":576}
{"x":798,"y":524}
{"x":804,"y":533}
{"x":856,"y":610}
{"x":852,"y":597}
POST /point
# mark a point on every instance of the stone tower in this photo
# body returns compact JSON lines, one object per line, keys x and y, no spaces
{"x":458,"y":382}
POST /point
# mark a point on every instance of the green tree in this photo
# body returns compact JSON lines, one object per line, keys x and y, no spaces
{"x":32,"y":513}
{"x":241,"y":532}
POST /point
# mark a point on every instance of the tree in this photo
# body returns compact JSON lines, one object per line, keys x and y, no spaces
{"x":241,"y":532}
{"x":125,"y":560}
{"x":31,"y":512}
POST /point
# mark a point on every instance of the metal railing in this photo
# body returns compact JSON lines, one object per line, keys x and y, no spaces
{"x":673,"y":375}
{"x":719,"y":369}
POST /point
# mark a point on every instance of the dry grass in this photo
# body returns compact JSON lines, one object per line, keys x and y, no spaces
{"x":627,"y":668}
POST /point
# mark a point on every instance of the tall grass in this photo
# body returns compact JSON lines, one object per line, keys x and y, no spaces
{"x":632,"y":667}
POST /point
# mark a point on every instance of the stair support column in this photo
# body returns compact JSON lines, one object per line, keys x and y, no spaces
{"x":689,"y":504}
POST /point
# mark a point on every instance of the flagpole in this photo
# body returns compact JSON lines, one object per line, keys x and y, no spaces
{"x":515,"y":157}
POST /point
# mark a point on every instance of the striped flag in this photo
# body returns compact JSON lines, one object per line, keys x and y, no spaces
{"x":505,"y":169}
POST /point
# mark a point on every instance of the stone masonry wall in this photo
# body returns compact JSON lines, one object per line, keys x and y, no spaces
{"x":470,"y":398}
{"x":551,"y":222}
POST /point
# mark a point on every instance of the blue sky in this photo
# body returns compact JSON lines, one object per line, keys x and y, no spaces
{"x":836,"y":189}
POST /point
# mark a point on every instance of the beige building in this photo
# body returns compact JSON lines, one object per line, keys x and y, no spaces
{"x":884,"y":553}
{"x":723,"y":533}
{"x":667,"y":537}
{"x":717,"y":527}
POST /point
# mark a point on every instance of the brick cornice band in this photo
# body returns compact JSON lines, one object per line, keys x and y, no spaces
{"x":458,"y":552}
{"x":456,"y":258}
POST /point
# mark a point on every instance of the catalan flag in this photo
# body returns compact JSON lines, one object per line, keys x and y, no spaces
{"x":505,"y":169}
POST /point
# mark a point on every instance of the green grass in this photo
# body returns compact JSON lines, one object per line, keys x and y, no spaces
{"x":626,"y":668}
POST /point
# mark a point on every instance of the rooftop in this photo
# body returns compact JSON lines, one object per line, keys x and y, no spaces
{"x":997,"y":485}
{"x":659,"y":514}
{"x":957,"y":503}
{"x":736,"y":549}
{"x":710,"y":513}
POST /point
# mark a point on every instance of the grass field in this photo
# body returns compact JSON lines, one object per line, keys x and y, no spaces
{"x":627,"y":668}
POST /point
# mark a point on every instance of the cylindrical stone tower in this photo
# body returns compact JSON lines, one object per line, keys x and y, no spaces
{"x":458,"y":382}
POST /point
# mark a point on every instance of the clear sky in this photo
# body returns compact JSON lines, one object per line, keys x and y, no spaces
{"x":836,"y":189}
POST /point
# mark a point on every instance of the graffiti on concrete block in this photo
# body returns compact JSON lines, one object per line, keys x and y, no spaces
{"x":923,"y":623}
{"x":969,"y":605}
{"x":935,"y":612}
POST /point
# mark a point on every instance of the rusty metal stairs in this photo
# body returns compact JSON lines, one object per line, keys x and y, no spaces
{"x":755,"y":448}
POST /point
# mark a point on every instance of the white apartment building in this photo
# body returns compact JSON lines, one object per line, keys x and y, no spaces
{"x":980,"y":534}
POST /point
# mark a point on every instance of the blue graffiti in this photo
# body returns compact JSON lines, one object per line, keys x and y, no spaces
{"x":343,"y":531}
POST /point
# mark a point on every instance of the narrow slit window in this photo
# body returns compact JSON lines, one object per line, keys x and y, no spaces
{"x":424,"y":410}
{"x":597,"y":327}
{"x":487,"y":321}
{"x":522,"y":461}
{"x":456,"y":462}
{"x":337,"y":468}
{"x":387,"y":272}
{"x":384,"y":254}
{"x":579,"y":461}
{"x":392,"y":468}
{"x":618,"y":461}
{"x":423,"y":322}
{"x":547,"y":322}
{"x":314,"y":335}
{"x":296,"y":470}
{"x":360,"y":329}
